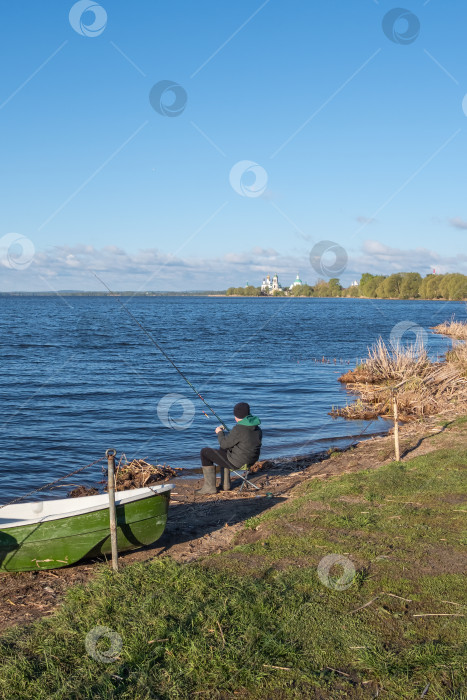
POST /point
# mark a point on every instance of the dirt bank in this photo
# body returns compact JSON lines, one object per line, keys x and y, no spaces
{"x":200,"y":525}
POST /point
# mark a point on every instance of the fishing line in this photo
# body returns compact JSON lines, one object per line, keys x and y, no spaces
{"x":161,"y":350}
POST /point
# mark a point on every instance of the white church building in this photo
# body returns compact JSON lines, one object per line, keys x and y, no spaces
{"x":269,"y":286}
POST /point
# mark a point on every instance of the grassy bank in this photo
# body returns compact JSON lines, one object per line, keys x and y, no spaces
{"x":269,"y":617}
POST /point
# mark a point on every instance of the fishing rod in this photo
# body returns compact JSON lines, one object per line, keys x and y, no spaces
{"x":161,"y":350}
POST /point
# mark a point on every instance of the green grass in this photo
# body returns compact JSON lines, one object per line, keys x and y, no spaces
{"x":216,"y":629}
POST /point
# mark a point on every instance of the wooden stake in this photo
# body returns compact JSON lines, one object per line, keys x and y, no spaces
{"x":110,"y":454}
{"x":396,"y":428}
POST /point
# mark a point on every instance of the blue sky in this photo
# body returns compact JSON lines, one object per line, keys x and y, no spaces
{"x":362,"y":140}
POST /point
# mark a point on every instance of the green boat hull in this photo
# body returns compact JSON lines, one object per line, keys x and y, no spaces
{"x":56,"y":543}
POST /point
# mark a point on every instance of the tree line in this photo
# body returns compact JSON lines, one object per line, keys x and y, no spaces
{"x":401,"y":285}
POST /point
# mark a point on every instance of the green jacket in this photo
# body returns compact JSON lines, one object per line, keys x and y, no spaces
{"x":243,"y":443}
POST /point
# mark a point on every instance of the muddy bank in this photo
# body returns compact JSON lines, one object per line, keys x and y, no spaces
{"x":200,"y":525}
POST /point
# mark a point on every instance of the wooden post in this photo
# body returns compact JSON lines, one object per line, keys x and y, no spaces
{"x":396,"y":427}
{"x":110,"y":454}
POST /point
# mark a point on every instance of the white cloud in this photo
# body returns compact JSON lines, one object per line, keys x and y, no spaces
{"x":365,"y":220}
{"x":457,"y":222}
{"x":379,"y":258}
{"x":71,"y":267}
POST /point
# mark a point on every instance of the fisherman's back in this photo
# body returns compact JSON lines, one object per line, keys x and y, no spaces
{"x":243,"y":443}
{"x":238,"y":448}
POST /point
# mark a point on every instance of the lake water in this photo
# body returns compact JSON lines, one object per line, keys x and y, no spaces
{"x":79,"y":376}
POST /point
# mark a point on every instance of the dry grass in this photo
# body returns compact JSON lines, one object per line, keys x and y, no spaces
{"x":385,"y":364}
{"x":457,"y":356}
{"x":423,"y":387}
{"x":455,"y":329}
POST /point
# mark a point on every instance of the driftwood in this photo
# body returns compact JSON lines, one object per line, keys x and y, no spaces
{"x":139,"y":473}
{"x":261,"y":466}
{"x":132,"y":475}
{"x":82,"y":491}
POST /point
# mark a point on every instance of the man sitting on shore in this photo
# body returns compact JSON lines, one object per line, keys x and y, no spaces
{"x":238,"y":448}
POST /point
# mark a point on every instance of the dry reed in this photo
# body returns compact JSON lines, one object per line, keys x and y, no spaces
{"x":423,"y":387}
{"x":455,"y":329}
{"x":384,"y":364}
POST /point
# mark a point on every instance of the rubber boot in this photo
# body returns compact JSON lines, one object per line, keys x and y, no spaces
{"x":209,"y":486}
{"x":225,"y":479}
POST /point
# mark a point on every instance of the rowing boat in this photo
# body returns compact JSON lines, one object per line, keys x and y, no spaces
{"x":51,"y":533}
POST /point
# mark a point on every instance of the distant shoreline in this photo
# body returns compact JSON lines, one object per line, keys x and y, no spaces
{"x":68,"y":293}
{"x":202,"y":294}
